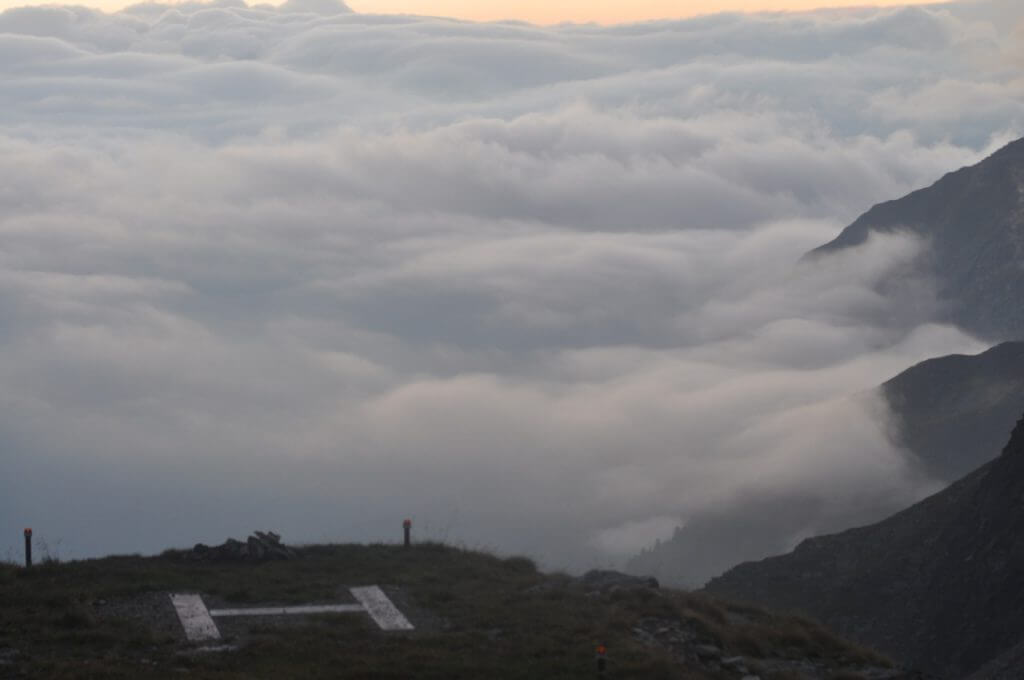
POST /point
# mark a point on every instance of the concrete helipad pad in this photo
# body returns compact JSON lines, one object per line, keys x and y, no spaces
{"x":198,"y":621}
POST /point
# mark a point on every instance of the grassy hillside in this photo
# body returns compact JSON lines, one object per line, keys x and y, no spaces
{"x":477,"y":616}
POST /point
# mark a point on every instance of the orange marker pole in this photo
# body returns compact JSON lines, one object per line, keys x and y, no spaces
{"x":407,"y":526}
{"x":28,"y":548}
{"x":602,"y":659}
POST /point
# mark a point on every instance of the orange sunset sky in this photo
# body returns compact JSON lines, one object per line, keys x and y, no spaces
{"x":550,"y":11}
{"x":601,"y":11}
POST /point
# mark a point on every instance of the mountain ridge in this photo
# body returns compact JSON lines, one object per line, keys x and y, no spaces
{"x":973,"y":222}
{"x":950,"y":414}
{"x":937,"y":585}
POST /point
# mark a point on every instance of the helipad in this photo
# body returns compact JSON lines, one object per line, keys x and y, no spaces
{"x":198,"y":621}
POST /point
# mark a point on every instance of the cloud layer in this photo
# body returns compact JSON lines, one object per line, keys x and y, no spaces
{"x":316,"y":271}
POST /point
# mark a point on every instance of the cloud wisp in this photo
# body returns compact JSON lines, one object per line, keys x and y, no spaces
{"x":317,"y":271}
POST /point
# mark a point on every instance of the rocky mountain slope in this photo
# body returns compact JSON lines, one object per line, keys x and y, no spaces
{"x":952,"y":413}
{"x":939,"y":586}
{"x":974,"y":221}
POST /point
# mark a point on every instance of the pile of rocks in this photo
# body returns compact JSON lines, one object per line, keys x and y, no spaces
{"x":259,"y":547}
{"x":683,"y":640}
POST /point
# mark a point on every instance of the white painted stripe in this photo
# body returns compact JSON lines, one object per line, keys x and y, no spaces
{"x":380,"y":608}
{"x":215,"y":648}
{"x":283,"y":611}
{"x":194,"y":617}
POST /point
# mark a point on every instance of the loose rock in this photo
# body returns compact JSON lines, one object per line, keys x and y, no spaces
{"x":261,"y":546}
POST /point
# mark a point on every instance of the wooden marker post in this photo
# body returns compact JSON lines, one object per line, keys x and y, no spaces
{"x":407,"y":526}
{"x":28,"y":548}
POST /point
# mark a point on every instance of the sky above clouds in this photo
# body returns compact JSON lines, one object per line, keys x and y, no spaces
{"x":546,"y":12}
{"x":315,"y":271}
{"x":600,"y":11}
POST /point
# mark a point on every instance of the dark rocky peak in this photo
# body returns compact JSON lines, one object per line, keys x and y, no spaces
{"x":1015,"y":448}
{"x":973,"y":222}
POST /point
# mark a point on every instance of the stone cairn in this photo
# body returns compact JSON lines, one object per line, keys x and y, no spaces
{"x":260,"y":547}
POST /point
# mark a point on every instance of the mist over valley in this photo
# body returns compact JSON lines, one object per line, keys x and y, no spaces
{"x":538,"y":288}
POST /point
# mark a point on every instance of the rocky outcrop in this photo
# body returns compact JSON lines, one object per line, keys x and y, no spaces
{"x":713,"y":638}
{"x":686,"y":644}
{"x":939,"y":586}
{"x":260,"y":547}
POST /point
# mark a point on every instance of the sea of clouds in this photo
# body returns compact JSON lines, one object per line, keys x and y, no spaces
{"x":537,"y":288}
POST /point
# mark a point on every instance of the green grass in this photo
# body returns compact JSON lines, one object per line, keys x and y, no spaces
{"x":475,"y":613}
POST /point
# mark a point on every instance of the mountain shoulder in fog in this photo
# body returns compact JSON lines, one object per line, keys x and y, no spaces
{"x":973,"y":221}
{"x":952,"y":413}
{"x":938,"y":586}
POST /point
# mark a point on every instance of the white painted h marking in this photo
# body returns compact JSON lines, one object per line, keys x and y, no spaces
{"x":380,"y":608}
{"x":194,"y":617}
{"x":198,"y":623}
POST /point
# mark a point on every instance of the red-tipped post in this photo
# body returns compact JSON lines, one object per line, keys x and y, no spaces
{"x":407,"y":527}
{"x":28,"y":548}
{"x":602,"y":659}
